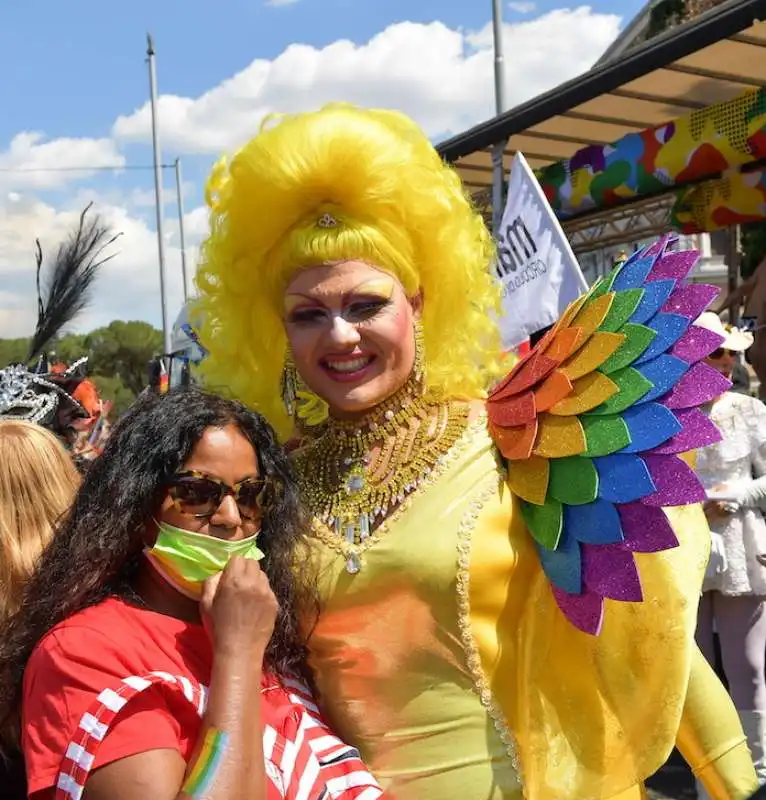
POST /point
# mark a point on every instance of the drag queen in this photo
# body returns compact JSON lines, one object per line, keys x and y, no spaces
{"x":509,"y":576}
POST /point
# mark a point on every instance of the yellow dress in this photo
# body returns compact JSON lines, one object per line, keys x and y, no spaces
{"x":447,"y":662}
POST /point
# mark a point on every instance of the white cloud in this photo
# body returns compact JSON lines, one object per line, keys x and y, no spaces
{"x":280,"y":3}
{"x":128,"y":286}
{"x":32,"y":162}
{"x":440,"y":76}
{"x":146,"y":198}
{"x":522,"y":7}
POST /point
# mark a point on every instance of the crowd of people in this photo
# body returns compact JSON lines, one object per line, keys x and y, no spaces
{"x":374,"y":556}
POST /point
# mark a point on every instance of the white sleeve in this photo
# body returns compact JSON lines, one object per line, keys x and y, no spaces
{"x":753,"y":493}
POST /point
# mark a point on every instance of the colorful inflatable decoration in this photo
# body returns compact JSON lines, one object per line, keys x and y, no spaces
{"x":702,"y":145}
{"x":732,"y":200}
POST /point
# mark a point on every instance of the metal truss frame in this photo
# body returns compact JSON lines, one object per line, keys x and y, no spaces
{"x":632,"y":222}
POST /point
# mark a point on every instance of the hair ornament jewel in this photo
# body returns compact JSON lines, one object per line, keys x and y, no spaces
{"x":327,"y":220}
{"x":21,"y":397}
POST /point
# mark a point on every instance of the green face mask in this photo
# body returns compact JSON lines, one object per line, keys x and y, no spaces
{"x":185,"y":559}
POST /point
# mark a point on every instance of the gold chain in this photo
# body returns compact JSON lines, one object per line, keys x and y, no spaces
{"x":354,"y":474}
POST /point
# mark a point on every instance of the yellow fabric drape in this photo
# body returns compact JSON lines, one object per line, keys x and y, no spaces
{"x":595,"y":716}
{"x":711,"y":739}
{"x":447,"y":661}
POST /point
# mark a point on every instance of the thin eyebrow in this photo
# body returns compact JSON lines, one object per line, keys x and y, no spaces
{"x":353,"y":293}
{"x":309,"y":297}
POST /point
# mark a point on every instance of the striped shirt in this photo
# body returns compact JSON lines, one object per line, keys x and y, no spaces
{"x":304,"y":760}
{"x":116,"y":680}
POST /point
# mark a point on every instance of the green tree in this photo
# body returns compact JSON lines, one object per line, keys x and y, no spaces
{"x":123,"y":350}
{"x":113,"y":390}
{"x":70,"y":347}
{"x":13,"y":351}
{"x":753,"y":244}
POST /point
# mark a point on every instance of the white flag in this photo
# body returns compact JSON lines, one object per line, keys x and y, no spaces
{"x":536,"y":266}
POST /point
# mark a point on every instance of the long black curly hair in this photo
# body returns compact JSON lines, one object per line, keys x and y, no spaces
{"x":97,"y":550}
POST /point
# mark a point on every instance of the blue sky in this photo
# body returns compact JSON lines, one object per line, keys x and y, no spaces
{"x":72,"y":69}
{"x":77,"y":65}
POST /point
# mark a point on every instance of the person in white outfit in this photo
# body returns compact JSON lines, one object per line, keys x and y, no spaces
{"x":732,"y":604}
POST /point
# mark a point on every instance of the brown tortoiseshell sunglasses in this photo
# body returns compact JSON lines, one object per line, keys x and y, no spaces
{"x":200,"y":495}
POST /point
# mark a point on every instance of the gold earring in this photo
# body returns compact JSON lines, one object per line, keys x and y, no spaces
{"x":419,"y":366}
{"x":289,"y":388}
{"x":299,"y":401}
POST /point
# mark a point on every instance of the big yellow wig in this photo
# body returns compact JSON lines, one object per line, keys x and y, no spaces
{"x":398,"y":207}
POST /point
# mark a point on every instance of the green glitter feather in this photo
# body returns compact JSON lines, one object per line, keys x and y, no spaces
{"x":545,"y":522}
{"x":633,"y":386}
{"x":573,"y":481}
{"x":623,"y":307}
{"x":605,"y":435}
{"x":639,"y":337}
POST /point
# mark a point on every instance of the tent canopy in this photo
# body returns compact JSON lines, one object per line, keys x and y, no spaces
{"x":714,"y":58}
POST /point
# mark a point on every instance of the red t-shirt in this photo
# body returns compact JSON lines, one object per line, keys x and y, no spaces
{"x":94,"y":650}
{"x":117,"y":659}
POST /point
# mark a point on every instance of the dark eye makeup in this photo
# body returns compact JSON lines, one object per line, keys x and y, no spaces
{"x":366,"y":309}
{"x":356,"y":311}
{"x":302,"y":315}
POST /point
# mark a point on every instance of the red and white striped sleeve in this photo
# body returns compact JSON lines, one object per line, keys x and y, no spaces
{"x":304,"y":760}
{"x":312,"y":762}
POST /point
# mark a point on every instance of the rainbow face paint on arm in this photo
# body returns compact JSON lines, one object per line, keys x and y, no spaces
{"x":206,"y":765}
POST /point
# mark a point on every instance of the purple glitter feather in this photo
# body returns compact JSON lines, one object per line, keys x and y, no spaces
{"x":701,"y":384}
{"x":696,"y":343}
{"x":674,"y":265}
{"x":676,"y":483}
{"x":634,"y":256}
{"x":646,"y":529}
{"x":658,"y":247}
{"x":698,"y":431}
{"x":690,"y":300}
{"x":585,"y":611}
{"x":610,"y":570}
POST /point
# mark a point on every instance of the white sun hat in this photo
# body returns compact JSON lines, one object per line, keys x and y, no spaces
{"x":733,"y":338}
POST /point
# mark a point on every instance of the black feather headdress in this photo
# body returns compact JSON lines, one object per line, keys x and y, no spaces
{"x":37,"y":393}
{"x":64,"y":291}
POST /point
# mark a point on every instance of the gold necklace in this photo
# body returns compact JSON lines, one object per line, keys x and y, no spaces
{"x":350,"y":489}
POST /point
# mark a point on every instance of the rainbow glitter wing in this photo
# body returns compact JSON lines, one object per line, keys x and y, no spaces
{"x":593,"y":421}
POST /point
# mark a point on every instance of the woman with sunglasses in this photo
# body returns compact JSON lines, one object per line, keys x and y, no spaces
{"x":157,"y":653}
{"x":735,"y":584}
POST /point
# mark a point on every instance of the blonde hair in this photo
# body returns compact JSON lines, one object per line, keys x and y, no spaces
{"x":38,"y":482}
{"x":398,"y":207}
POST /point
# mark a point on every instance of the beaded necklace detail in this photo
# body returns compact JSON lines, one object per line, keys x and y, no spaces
{"x":354,"y":474}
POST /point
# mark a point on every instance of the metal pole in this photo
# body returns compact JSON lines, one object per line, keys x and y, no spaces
{"x":497,"y":32}
{"x":158,"y":192}
{"x":498,"y":167}
{"x":732,"y":263}
{"x":179,"y":192}
{"x":498,"y":188}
